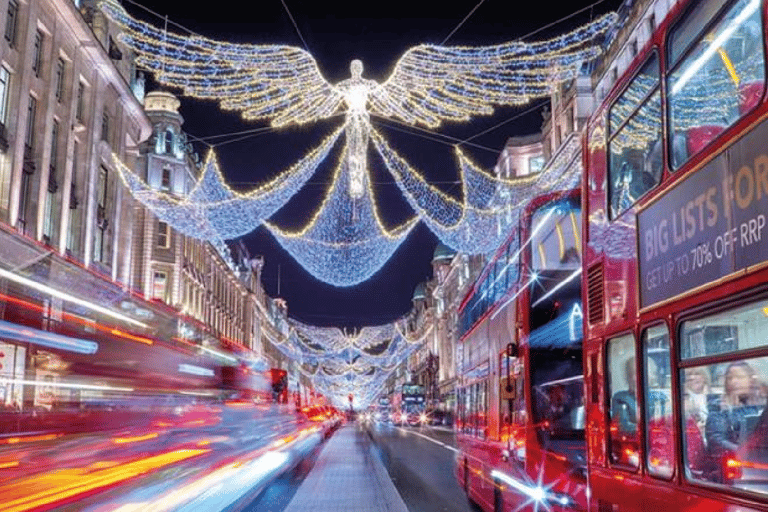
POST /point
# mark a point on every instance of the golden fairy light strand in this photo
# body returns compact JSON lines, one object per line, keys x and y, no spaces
{"x":345,"y":241}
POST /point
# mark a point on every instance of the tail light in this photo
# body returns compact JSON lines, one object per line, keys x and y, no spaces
{"x":732,"y":468}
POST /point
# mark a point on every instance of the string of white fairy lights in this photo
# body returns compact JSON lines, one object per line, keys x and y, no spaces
{"x":345,"y":242}
{"x":339,"y":363}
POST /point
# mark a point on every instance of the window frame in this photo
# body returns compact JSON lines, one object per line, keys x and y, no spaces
{"x":612,"y":134}
{"x":155,"y":273}
{"x":673,"y":64}
{"x":5,"y":93}
{"x":680,"y":365}
{"x":607,"y":391}
{"x":644,"y":410}
{"x":29,"y":134}
{"x":80,"y":102}
{"x":163,"y":235}
{"x":12,"y":23}
{"x":165,"y":179}
{"x":37,"y":53}
{"x":61,"y":69}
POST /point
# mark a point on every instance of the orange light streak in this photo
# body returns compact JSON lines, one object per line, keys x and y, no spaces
{"x":123,"y":334}
{"x":10,"y":464}
{"x":59,"y":485}
{"x":134,"y":439}
{"x":29,"y":439}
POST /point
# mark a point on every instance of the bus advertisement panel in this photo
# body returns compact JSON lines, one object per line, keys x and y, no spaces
{"x":708,"y":226}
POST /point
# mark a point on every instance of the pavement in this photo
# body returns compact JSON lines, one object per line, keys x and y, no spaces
{"x":347,"y":477}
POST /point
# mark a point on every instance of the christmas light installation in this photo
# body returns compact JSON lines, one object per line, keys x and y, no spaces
{"x":339,"y":363}
{"x":345,"y":241}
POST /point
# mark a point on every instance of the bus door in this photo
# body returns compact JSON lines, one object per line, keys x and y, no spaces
{"x":618,"y":485}
{"x":512,"y":410}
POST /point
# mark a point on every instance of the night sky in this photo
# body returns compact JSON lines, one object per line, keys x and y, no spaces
{"x":335,"y":33}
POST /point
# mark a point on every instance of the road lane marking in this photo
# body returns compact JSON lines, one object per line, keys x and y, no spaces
{"x":429,"y":439}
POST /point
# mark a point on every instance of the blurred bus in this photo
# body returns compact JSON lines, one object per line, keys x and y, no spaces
{"x":520,"y":413}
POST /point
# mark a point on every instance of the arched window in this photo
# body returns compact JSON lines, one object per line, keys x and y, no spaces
{"x":169,"y":141}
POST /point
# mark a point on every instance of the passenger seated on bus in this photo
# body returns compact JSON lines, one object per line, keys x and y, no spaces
{"x":755,"y":448}
{"x":739,"y":408}
{"x":679,"y":150}
{"x":696,"y":396}
{"x":654,"y":164}
{"x":559,"y":407}
{"x":624,"y":403}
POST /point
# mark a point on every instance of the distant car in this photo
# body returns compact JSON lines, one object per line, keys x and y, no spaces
{"x":436,"y":417}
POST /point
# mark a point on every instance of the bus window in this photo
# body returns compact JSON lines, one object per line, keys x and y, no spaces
{"x":635,"y":162}
{"x":724,"y":402}
{"x":720,"y":79}
{"x":737,"y":329}
{"x":735,"y":433}
{"x":558,"y":393}
{"x":658,"y":402}
{"x":622,"y":388}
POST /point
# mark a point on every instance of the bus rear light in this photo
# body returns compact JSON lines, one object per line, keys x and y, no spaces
{"x":732,"y":469}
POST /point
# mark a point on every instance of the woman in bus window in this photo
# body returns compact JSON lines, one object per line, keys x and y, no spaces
{"x":696,"y":396}
{"x":728,"y":427}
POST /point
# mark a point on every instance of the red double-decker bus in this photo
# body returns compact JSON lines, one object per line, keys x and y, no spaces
{"x":675,"y":276}
{"x":520,"y":417}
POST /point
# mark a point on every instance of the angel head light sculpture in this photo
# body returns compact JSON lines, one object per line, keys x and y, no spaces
{"x":346,"y":241}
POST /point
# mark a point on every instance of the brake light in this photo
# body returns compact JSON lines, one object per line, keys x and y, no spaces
{"x":732,"y":470}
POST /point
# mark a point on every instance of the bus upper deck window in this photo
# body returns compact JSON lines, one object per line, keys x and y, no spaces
{"x":718,"y":74}
{"x":635,"y":149}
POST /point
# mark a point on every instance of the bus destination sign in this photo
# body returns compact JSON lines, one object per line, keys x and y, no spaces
{"x":710,"y":225}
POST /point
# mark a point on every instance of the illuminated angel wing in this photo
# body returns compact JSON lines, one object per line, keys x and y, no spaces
{"x":281,"y":84}
{"x":433,"y":83}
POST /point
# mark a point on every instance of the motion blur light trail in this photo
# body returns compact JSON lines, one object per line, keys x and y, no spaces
{"x":59,"y":485}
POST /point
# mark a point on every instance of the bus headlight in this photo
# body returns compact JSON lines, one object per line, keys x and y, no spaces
{"x":558,"y":498}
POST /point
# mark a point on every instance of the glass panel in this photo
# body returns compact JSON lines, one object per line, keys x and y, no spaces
{"x":622,"y":388}
{"x":718,"y":81}
{"x":636,"y":162}
{"x":658,"y":402}
{"x":555,"y":237}
{"x":726,"y":429}
{"x":645,"y":81}
{"x":742,"y":328}
{"x":682,"y":35}
{"x":5,"y":78}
